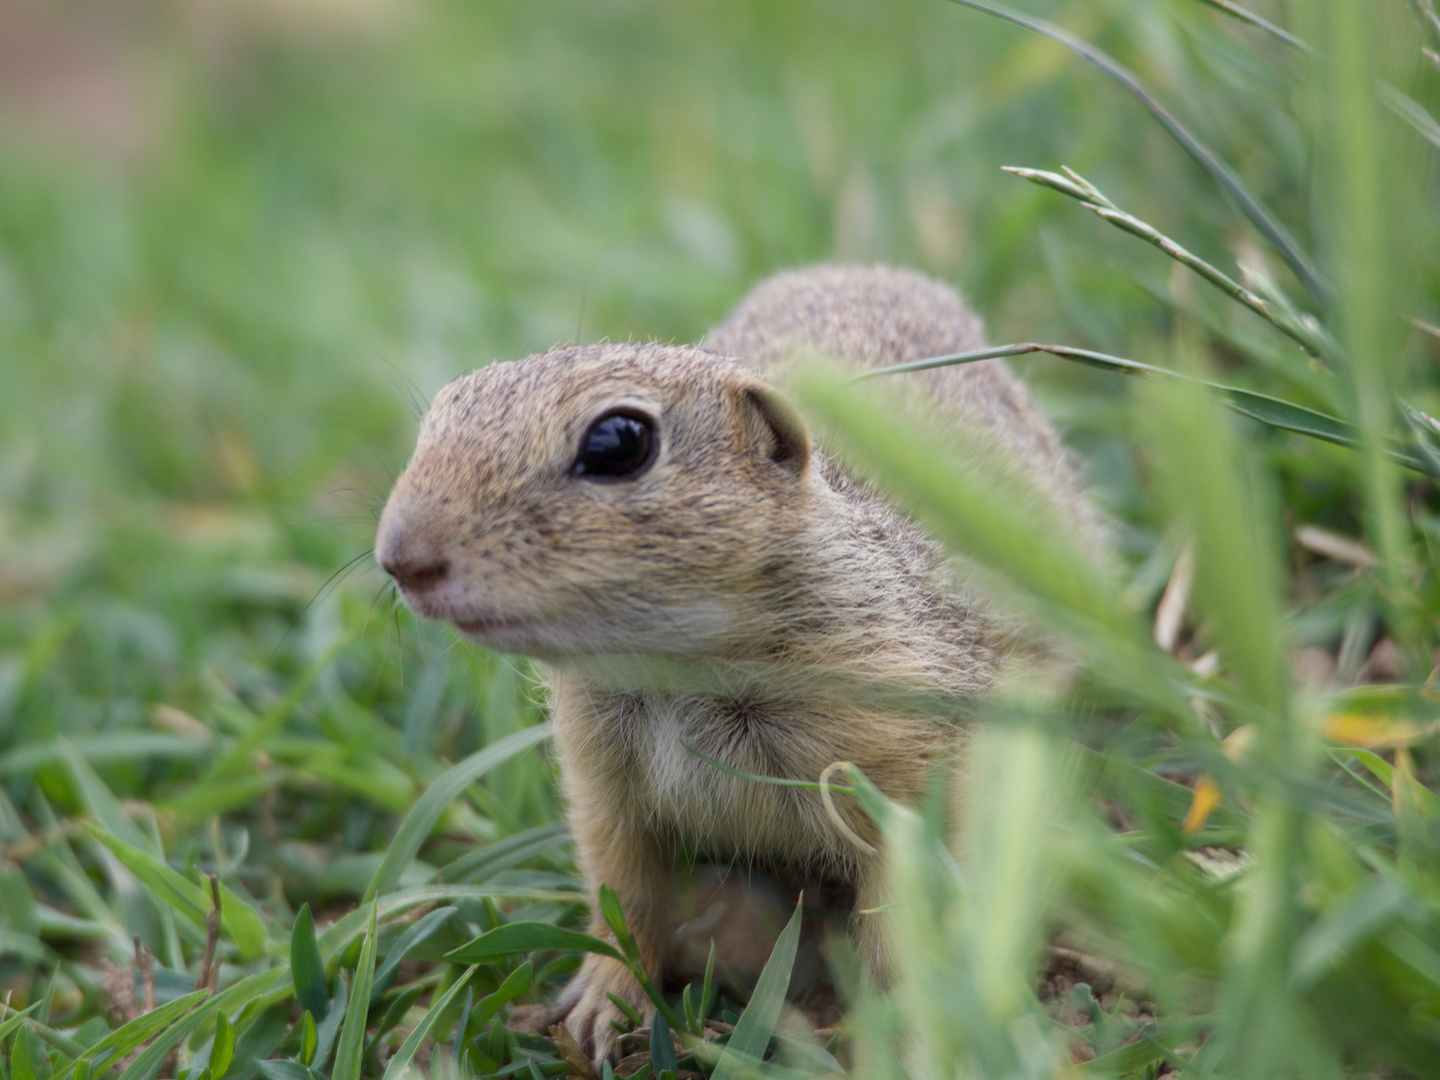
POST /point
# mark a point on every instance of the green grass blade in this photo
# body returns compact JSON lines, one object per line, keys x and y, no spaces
{"x":328,"y":1029}
{"x":1383,"y":771}
{"x":707,"y":991}
{"x":236,"y":916}
{"x":288,"y":1070}
{"x":259,"y":989}
{"x":515,"y":984}
{"x":1219,"y":504}
{"x":22,"y":1056}
{"x":687,"y":1006}
{"x":1124,"y":1061}
{"x":58,"y":1039}
{"x":210,"y":797}
{"x":1375,"y":184}
{"x":1202,"y":479}
{"x":662,"y":1046}
{"x":966,"y":505}
{"x":478,"y":866}
{"x":1275,"y":233}
{"x":103,"y":749}
{"x":400,"y":1063}
{"x":430,"y":806}
{"x":963,"y":946}
{"x":222,"y":1050}
{"x":307,"y":968}
{"x":415,"y":934}
{"x":614,"y":913}
{"x":340,"y":934}
{"x":14,"y":1020}
{"x":776,"y":781}
{"x":129,"y":1036}
{"x":1326,"y":944}
{"x":351,"y":1048}
{"x":463,"y":1033}
{"x":309,"y":1038}
{"x":237,"y":759}
{"x":1024,"y":546}
{"x":626,"y":1010}
{"x":523,"y":937}
{"x":1424,"y":432}
{"x":101,"y":801}
{"x":1271,"y":411}
{"x":757,"y":1023}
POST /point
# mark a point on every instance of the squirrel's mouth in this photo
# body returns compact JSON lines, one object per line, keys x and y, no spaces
{"x":481,"y":624}
{"x":522,"y":636}
{"x":487,"y":627}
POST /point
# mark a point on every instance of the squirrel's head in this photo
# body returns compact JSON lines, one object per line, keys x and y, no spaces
{"x":607,"y":499}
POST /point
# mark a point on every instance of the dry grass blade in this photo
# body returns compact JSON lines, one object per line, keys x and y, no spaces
{"x":209,"y":969}
{"x":145,"y":965}
{"x":1334,"y":546}
{"x":1234,"y":10}
{"x":1429,"y":20}
{"x":1170,"y":612}
{"x":1259,"y":215}
{"x":861,"y":844}
{"x":1090,"y":197}
{"x":1412,"y":112}
{"x":576,"y":1063}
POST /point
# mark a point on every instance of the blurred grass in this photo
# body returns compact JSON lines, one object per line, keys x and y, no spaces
{"x":240,"y":244}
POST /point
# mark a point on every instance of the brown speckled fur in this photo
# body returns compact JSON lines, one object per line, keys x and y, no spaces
{"x":736,"y":597}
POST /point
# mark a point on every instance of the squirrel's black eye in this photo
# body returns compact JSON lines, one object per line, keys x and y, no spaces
{"x":617,"y":447}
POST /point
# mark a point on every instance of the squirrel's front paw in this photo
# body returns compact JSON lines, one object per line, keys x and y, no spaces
{"x":586,"y":1009}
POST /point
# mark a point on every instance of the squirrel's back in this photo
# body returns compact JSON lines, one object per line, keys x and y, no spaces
{"x":877,"y":317}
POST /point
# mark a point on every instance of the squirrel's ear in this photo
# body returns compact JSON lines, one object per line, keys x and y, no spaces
{"x":773,"y":427}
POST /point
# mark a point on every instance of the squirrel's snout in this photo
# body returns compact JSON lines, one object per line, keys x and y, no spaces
{"x":416,"y":564}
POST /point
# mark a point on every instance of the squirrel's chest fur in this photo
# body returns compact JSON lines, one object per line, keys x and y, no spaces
{"x":646,"y":746}
{"x":719,"y":813}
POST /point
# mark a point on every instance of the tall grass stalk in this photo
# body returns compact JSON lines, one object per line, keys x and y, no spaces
{"x":1369,"y":182}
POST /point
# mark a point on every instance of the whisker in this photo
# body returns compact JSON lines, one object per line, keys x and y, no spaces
{"x":366,"y":499}
{"x":337,"y":520}
{"x":330,"y":584}
{"x":386,"y":469}
{"x":407,"y":390}
{"x":399,"y":640}
{"x":385,"y":638}
{"x":373,"y":601}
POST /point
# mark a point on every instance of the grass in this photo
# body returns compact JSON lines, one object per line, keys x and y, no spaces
{"x":220,"y":304}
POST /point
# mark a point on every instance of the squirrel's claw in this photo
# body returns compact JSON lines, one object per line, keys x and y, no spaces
{"x":586,"y":1009}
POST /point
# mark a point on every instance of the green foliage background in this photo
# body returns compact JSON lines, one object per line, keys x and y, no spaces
{"x":241,"y":243}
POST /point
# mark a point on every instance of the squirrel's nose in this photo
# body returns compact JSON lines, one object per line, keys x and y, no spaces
{"x":408,"y":548}
{"x":415,"y":572}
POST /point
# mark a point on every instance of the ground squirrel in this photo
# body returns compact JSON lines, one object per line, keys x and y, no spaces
{"x":653,"y":522}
